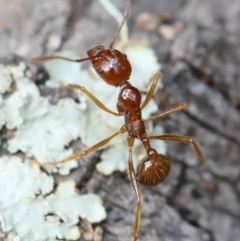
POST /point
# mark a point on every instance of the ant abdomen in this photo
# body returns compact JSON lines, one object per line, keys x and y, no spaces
{"x":152,"y":170}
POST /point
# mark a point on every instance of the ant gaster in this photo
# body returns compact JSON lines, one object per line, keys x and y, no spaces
{"x":115,"y":69}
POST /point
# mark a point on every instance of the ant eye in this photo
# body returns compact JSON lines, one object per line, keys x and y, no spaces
{"x":100,"y":70}
{"x":124,"y":55}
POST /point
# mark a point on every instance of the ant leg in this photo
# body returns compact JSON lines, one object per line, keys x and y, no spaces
{"x":187,"y":140}
{"x":179,"y":107}
{"x":136,"y":188}
{"x":156,"y":78}
{"x":92,"y":97}
{"x":89,"y":150}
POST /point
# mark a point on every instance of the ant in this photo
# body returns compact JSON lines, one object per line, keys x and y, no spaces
{"x":115,"y":69}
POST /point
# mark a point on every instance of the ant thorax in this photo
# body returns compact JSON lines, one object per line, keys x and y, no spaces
{"x":129,"y":101}
{"x":110,"y":64}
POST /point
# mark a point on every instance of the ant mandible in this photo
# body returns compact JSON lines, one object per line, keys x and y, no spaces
{"x":115,"y":69}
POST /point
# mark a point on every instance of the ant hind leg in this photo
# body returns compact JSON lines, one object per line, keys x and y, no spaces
{"x":89,"y":150}
{"x":187,"y":140}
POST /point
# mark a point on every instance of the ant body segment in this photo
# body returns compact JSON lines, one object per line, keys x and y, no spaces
{"x":115,"y":69}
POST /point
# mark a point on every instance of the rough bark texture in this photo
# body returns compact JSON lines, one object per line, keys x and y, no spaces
{"x":200,"y":64}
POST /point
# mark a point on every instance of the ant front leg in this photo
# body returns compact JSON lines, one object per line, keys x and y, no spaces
{"x":136,"y":188}
{"x":91,"y":96}
{"x":186,"y":140}
{"x":155,"y":79}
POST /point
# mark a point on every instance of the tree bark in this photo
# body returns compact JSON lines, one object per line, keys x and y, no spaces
{"x":200,"y":65}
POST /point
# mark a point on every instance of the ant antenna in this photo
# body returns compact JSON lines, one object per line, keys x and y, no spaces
{"x":127,"y":12}
{"x":46,"y":58}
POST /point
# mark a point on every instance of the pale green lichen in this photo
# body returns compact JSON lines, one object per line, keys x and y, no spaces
{"x":5,"y":80}
{"x":31,"y":209}
{"x":27,"y":209}
{"x":42,"y":129}
{"x":10,"y":106}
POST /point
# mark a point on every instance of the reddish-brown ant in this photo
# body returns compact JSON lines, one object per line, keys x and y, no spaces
{"x":115,"y":69}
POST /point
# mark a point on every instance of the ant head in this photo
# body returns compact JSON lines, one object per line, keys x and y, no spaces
{"x":110,"y":64}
